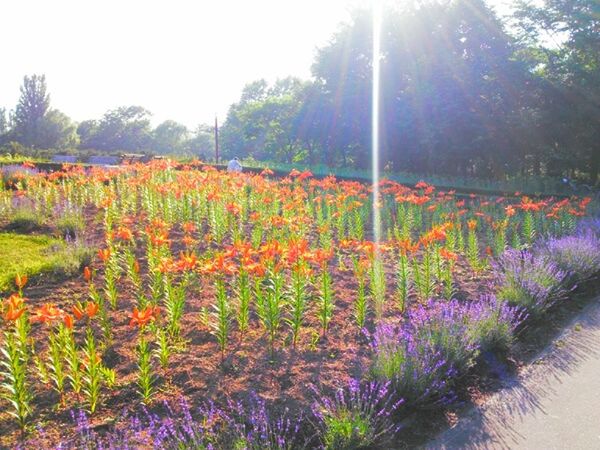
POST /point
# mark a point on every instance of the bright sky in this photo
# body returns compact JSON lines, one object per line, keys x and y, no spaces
{"x":181,"y":59}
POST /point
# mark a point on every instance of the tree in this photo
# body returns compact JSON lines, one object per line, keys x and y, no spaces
{"x":57,"y":131}
{"x":86,"y":130}
{"x":564,"y":35}
{"x":202,"y":143}
{"x":261,"y":125}
{"x":31,"y":109}
{"x":450,"y":88}
{"x":169,"y":137}
{"x":125,"y":128}
{"x":3,"y":122}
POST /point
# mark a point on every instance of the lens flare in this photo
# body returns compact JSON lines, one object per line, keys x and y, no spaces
{"x":376,"y":86}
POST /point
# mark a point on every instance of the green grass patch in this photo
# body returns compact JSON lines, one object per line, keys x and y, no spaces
{"x":35,"y":255}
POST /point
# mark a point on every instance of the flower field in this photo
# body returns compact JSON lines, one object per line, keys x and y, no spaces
{"x":246,"y":311}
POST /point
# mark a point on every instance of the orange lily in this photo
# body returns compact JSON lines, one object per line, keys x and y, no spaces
{"x":21,"y":281}
{"x":143,"y":317}
{"x":47,"y":314}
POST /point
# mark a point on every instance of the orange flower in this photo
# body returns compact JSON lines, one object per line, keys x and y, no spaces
{"x":68,"y":321}
{"x":87,"y":273}
{"x":255,"y":268}
{"x":143,"y":317}
{"x":78,"y":311}
{"x":91,"y":309}
{"x":304,"y":175}
{"x":233,"y":208}
{"x":21,"y":281}
{"x":166,"y":265}
{"x":124,"y":234}
{"x":448,"y":255}
{"x":321,"y":257}
{"x":47,"y":314}
{"x":159,"y":239}
{"x":15,"y":308}
{"x":104,"y":254}
{"x":188,"y":240}
{"x":406,"y":246}
{"x":489,"y":251}
{"x":188,"y":227}
{"x":187,"y":261}
{"x":510,"y":211}
{"x":472,"y":224}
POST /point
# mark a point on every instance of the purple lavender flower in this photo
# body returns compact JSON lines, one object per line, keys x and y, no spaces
{"x":530,"y":280}
{"x":437,"y":343}
{"x":578,"y":255}
{"x":358,"y":416}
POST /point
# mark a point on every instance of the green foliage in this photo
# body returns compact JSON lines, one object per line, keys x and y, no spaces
{"x":24,"y":220}
{"x":36,"y":255}
{"x":14,"y":385}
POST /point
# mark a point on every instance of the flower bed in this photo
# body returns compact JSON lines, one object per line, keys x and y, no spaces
{"x":247,"y":296}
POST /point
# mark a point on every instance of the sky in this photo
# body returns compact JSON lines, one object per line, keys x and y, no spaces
{"x":185,"y":60}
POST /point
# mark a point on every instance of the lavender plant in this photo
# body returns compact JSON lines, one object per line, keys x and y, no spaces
{"x":577,"y":255}
{"x":529,"y":280}
{"x":358,"y":416}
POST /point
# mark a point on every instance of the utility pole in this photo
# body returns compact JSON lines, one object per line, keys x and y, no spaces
{"x":216,"y":141}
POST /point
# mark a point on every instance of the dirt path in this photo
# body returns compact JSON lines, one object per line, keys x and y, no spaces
{"x":553,"y":404}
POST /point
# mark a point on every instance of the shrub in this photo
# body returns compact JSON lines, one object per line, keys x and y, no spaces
{"x":577,"y":255}
{"x":69,"y":222}
{"x":418,"y":371}
{"x":240,"y":427}
{"x":14,"y":175}
{"x":531,"y":281}
{"x":69,"y":258}
{"x":24,"y":220}
{"x":356,"y":417}
{"x":437,"y":343}
{"x":253,"y":426}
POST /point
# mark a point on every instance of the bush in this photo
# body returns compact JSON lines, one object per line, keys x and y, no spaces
{"x":492,"y":323}
{"x":239,"y":427}
{"x":24,"y":219}
{"x":356,"y":417}
{"x":437,"y":343}
{"x":578,"y":255}
{"x":69,"y":258}
{"x":529,"y":280}
{"x":15,"y":175}
{"x":69,"y":222}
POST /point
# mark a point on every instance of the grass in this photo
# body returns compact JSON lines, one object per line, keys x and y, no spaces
{"x":36,"y":255}
{"x":24,"y":220}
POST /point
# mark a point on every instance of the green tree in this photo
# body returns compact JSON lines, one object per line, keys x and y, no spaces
{"x":169,"y":137}
{"x":125,"y":128}
{"x":202,"y":143}
{"x":57,"y":131}
{"x":262,"y":124}
{"x":563,"y":37}
{"x":3,"y":122}
{"x":86,"y":130}
{"x":31,"y":109}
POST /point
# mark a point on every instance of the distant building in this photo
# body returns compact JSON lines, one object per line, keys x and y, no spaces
{"x":64,"y":159}
{"x":104,"y":160}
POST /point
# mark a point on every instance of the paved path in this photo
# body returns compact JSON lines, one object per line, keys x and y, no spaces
{"x":553,"y":405}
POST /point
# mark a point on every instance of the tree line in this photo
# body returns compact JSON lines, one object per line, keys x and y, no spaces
{"x":34,"y":124}
{"x":462,"y":93}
